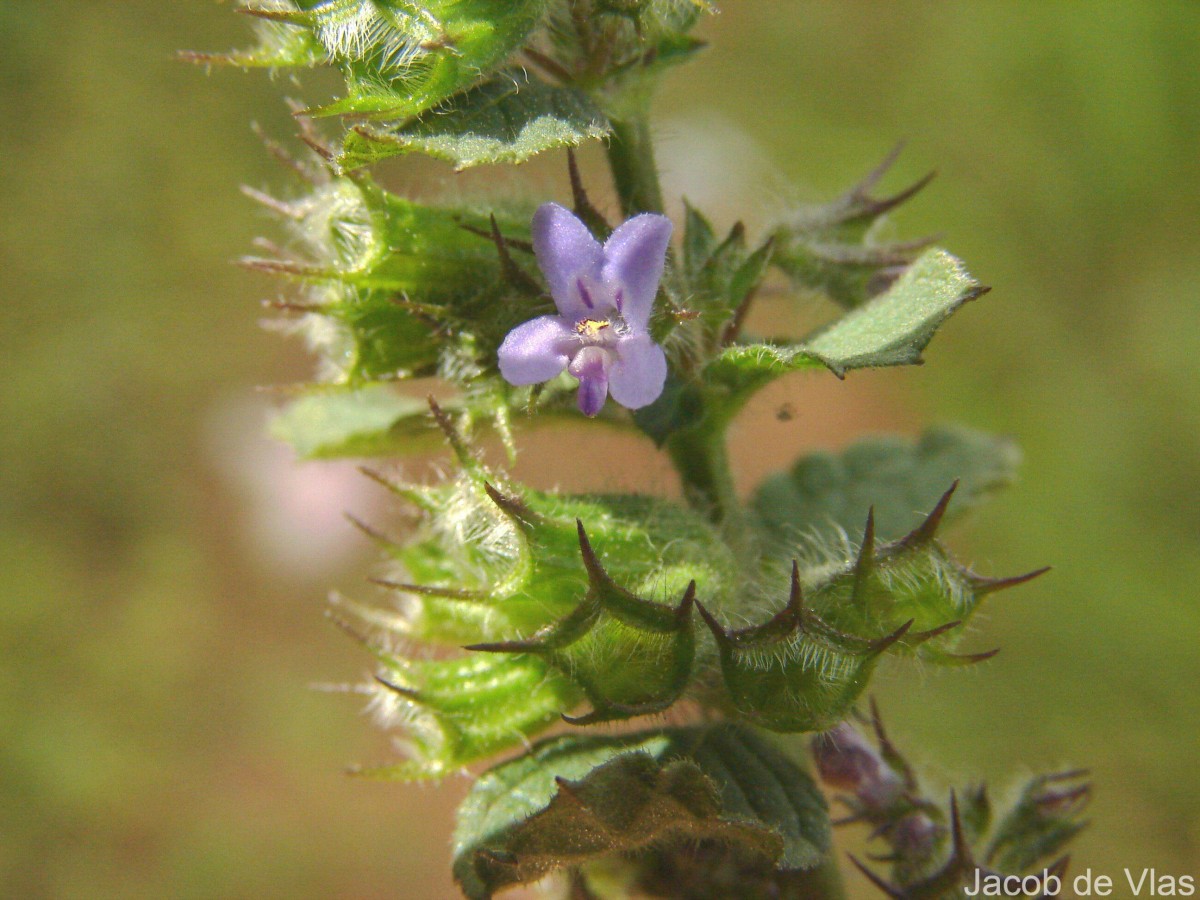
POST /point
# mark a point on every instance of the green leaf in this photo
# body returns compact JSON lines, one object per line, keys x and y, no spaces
{"x":1047,"y":814}
{"x":895,"y":327}
{"x":830,"y":494}
{"x":576,"y":799}
{"x":890,"y":330}
{"x":373,"y":421}
{"x":508,"y":119}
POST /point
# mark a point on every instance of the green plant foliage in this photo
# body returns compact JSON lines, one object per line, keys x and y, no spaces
{"x":604,"y":613}
{"x":575,"y":799}
{"x":398,"y":58}
{"x":890,"y":330}
{"x":802,"y":669}
{"x":507,"y":119}
{"x":517,"y":608}
{"x":936,"y":848}
{"x":394,"y":288}
{"x":893,"y":329}
{"x":1045,"y":816}
{"x":372,"y":421}
{"x":616,"y":47}
{"x":460,"y":710}
{"x":835,"y":249}
{"x":829,"y":495}
{"x":720,"y":277}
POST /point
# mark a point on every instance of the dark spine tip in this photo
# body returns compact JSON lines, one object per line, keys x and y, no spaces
{"x":921,"y":637}
{"x":867,"y":551}
{"x":516,"y":276}
{"x":1057,"y":868}
{"x":882,"y":644}
{"x":718,"y":631}
{"x":313,"y":143}
{"x":796,"y":591}
{"x":591,"y":561}
{"x":406,"y":693}
{"x":927,"y":530}
{"x":961,"y":852}
{"x":510,"y":506}
{"x":882,"y":885}
{"x":970,"y":659}
{"x":991,"y":585}
{"x":881,"y":737}
{"x":873,"y":177}
{"x":355,"y":634}
{"x":506,"y":647}
{"x":428,"y":590}
{"x":447,"y":427}
{"x":866,"y":559}
{"x":684,"y":610}
{"x":878,"y":207}
{"x":274,"y":15}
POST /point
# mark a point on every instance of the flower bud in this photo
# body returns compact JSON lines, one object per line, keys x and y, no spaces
{"x":848,"y":762}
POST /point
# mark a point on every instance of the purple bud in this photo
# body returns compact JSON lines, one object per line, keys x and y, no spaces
{"x":848,"y":762}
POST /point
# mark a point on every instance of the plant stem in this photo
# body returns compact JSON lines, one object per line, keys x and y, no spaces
{"x":631,"y":158}
{"x":701,"y":458}
{"x":702,"y":461}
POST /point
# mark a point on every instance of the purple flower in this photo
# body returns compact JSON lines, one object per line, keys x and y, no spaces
{"x":604,"y":295}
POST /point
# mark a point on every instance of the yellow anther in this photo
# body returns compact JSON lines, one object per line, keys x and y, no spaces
{"x":591,"y":327}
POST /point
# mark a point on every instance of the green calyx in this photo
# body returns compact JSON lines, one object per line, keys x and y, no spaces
{"x":803,"y":668}
{"x":618,"y":602}
{"x":630,"y":656}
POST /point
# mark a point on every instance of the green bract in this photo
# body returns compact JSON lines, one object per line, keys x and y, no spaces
{"x":512,"y":609}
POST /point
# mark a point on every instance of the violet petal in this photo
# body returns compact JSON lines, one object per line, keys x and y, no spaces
{"x":536,"y":351}
{"x":637,"y":376}
{"x":592,"y":394}
{"x":565,"y":252}
{"x":633,"y":258}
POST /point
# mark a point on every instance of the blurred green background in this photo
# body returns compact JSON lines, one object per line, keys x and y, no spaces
{"x":164,"y":568}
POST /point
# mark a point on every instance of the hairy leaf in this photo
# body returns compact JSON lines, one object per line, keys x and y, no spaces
{"x":398,"y":58}
{"x":508,"y":119}
{"x":372,"y":421}
{"x":575,"y":799}
{"x":890,"y":330}
{"x":902,"y":479}
{"x":893,"y":328}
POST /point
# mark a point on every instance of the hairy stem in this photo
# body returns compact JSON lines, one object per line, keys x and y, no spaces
{"x":701,"y":458}
{"x":631,"y":158}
